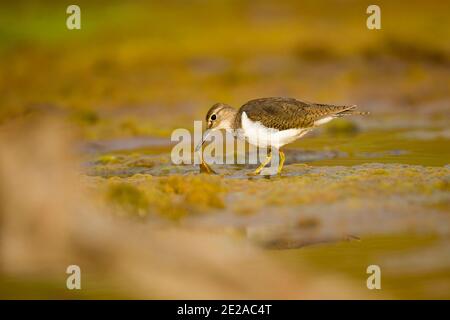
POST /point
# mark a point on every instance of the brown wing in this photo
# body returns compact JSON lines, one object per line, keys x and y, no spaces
{"x":289,"y":113}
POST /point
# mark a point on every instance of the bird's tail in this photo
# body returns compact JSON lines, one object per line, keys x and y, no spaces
{"x":351,"y":110}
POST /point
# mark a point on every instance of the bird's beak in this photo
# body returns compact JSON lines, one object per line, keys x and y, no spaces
{"x":205,"y":136}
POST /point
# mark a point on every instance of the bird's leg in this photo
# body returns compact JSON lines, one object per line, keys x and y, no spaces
{"x":282,"y":158}
{"x":204,"y":167}
{"x":262,"y":165}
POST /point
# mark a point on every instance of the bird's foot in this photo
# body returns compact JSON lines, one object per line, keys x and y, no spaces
{"x":205,"y":168}
{"x":261,"y":166}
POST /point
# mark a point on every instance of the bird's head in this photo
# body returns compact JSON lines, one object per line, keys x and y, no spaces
{"x":219,"y":116}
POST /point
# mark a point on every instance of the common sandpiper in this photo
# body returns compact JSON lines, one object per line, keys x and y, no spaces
{"x":284,"y":120}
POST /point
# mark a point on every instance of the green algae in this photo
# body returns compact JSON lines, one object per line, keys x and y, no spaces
{"x":129,"y":198}
{"x":168,"y":197}
{"x":176,"y":196}
{"x":202,"y":190}
{"x":362,"y":169}
{"x":108,"y":159}
{"x":317,"y":185}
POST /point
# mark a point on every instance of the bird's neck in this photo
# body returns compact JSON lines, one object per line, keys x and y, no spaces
{"x":231,"y":121}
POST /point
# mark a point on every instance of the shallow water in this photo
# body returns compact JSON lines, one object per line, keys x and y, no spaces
{"x":129,"y":156}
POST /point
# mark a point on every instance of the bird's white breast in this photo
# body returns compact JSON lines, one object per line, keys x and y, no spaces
{"x":258,"y":134}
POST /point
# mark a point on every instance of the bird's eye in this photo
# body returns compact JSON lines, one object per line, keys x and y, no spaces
{"x":213,"y":117}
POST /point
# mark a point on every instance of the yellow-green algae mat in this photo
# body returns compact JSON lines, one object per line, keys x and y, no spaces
{"x":379,"y":197}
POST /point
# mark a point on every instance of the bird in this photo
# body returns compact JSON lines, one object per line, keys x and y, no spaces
{"x":284,"y":120}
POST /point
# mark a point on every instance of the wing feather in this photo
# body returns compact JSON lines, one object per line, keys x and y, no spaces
{"x":289,"y":113}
